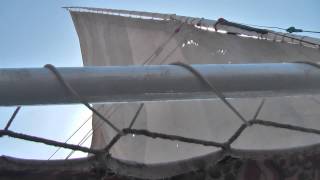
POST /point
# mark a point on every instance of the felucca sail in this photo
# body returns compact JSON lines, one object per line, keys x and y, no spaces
{"x":116,"y":37}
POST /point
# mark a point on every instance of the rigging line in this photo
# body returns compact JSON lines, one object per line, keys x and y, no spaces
{"x":13,"y":116}
{"x":113,"y":141}
{"x":97,"y":126}
{"x":85,"y":138}
{"x":311,"y":31}
{"x":244,"y":126}
{"x":259,"y":109}
{"x":136,"y":115}
{"x":88,"y":134}
{"x":74,"y":133}
{"x":174,"y":49}
{"x":116,"y":138}
{"x":290,"y":29}
{"x":161,"y":47}
{"x":71,"y":135}
{"x":173,"y":137}
{"x":170,"y":54}
{"x":46,"y":141}
{"x":71,"y":91}
{"x":82,"y":141}
{"x":261,"y":26}
{"x":212,"y":87}
{"x":155,"y":135}
{"x":285,"y":126}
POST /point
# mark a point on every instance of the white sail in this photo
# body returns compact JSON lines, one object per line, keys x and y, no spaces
{"x":117,"y":37}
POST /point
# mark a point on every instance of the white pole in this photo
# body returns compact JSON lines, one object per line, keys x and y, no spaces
{"x":31,"y":86}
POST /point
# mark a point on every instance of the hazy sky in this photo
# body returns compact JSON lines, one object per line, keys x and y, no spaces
{"x":36,"y":32}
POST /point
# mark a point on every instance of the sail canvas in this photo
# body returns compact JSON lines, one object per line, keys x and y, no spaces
{"x":113,"y":38}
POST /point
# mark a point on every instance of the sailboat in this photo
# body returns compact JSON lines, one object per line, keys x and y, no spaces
{"x":256,"y":125}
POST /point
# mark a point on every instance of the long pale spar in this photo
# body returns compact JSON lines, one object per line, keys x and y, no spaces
{"x":31,"y":86}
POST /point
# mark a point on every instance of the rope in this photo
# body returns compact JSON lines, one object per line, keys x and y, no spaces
{"x":291,"y":29}
{"x":46,"y":141}
{"x":285,"y":126}
{"x":70,"y":136}
{"x":308,"y":31}
{"x":72,"y":92}
{"x":90,"y":132}
{"x":81,"y":142}
{"x":111,"y":143}
{"x":136,"y":115}
{"x":115,"y":139}
{"x":174,"y":49}
{"x":244,"y":126}
{"x":73,"y":134}
{"x":172,"y":137}
{"x":211,"y":86}
{"x":161,"y":47}
{"x":13,"y":116}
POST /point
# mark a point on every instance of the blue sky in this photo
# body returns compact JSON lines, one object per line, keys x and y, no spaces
{"x":38,"y":32}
